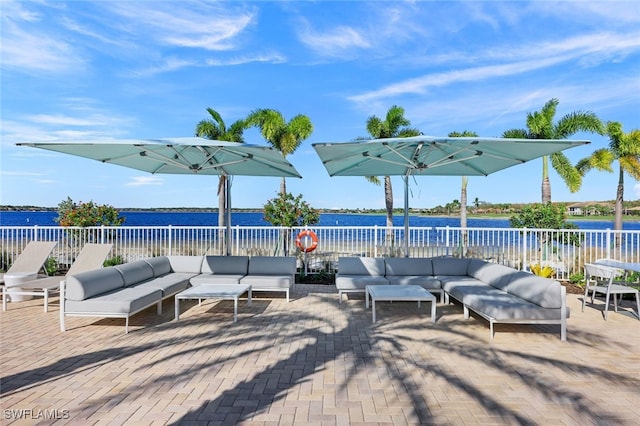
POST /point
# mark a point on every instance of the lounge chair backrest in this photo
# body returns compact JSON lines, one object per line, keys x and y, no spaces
{"x":33,"y":257}
{"x":92,"y":256}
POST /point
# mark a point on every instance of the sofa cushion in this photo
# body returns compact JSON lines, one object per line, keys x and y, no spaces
{"x":169,"y":284}
{"x":544,"y":292}
{"x":449,"y":266}
{"x":426,"y":282}
{"x":267,"y":282}
{"x":92,"y":283}
{"x":359,"y":282}
{"x":459,"y":287}
{"x":493,"y":274}
{"x":189,"y":264}
{"x":372,"y":266}
{"x":122,"y":301}
{"x":160,"y":265}
{"x":135,"y":272}
{"x":235,"y":265}
{"x":216,"y":279}
{"x":271,"y":265}
{"x":408,"y":266}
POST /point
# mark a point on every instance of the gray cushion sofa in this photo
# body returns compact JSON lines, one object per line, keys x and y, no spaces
{"x":495,"y":292}
{"x":123,"y":290}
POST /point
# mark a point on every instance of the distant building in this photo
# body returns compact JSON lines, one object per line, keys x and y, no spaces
{"x":590,"y":208}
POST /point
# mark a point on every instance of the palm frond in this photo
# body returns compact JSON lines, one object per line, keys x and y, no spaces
{"x":569,"y":174}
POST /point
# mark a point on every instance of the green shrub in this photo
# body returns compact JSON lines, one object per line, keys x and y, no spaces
{"x":112,"y":261}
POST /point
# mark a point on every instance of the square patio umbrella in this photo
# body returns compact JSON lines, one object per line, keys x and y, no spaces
{"x":435,"y":156}
{"x":182,"y":156}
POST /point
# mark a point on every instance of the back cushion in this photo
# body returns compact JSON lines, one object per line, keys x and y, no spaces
{"x":544,"y":292}
{"x":186,"y":264}
{"x":160,"y":265}
{"x":233,"y":265}
{"x":92,"y":283}
{"x":493,"y":274}
{"x":270,"y":265}
{"x":449,"y":266}
{"x":135,"y":272}
{"x":361,"y":266}
{"x":408,"y":266}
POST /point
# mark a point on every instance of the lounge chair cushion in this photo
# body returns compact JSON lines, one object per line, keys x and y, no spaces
{"x":92,"y":283}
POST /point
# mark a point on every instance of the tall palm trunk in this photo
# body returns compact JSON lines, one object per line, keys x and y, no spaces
{"x":388,"y":202}
{"x":283,"y":186}
{"x":463,"y":212}
{"x":617,"y":225}
{"x":546,"y":183}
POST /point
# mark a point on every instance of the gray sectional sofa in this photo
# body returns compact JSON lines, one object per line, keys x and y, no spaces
{"x":495,"y":292}
{"x":124,"y":290}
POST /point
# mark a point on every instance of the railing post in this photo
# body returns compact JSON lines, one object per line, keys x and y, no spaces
{"x":375,"y":241}
{"x":170,"y":231}
{"x":236,"y":239}
{"x":446,"y":239}
{"x":524,"y":248}
{"x":608,"y":246}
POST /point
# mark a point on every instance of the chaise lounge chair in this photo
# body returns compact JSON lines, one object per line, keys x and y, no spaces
{"x":92,"y":256}
{"x":30,"y":261}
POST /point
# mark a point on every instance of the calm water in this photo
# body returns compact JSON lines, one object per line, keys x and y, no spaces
{"x":30,"y":218}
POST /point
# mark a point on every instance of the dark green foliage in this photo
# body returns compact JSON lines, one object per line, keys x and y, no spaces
{"x":287,"y":210}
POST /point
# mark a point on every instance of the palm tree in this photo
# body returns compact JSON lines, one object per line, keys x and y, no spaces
{"x":395,"y":125}
{"x":214,"y":128}
{"x":540,"y":126}
{"x":623,"y":147}
{"x":465,"y":182}
{"x":284,"y":136}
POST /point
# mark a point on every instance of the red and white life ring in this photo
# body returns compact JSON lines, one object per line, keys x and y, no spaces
{"x":305,"y":236}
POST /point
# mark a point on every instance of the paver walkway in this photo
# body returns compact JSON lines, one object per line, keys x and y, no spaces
{"x":314,"y":361}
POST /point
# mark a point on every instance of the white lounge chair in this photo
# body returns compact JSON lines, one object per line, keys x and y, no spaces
{"x":31,"y":260}
{"x":92,"y":256}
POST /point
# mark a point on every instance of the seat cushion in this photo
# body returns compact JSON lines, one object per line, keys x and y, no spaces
{"x":426,"y":282}
{"x":169,"y":284}
{"x":266,"y":282}
{"x":359,"y":282}
{"x":216,"y":279}
{"x":122,"y":301}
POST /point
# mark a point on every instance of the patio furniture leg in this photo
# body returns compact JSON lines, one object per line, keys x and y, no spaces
{"x":4,"y":298}
{"x":46,"y":300}
{"x":235,"y":309}
{"x":249,"y":296}
{"x":373,"y":308}
{"x":177,"y":307}
{"x":433,"y":311}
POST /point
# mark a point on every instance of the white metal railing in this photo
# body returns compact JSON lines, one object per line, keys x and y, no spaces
{"x":566,"y":250}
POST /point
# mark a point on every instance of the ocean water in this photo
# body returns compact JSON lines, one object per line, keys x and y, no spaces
{"x":138,"y":218}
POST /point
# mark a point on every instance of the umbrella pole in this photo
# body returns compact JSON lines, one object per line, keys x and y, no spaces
{"x":228,"y":213}
{"x":406,"y":215}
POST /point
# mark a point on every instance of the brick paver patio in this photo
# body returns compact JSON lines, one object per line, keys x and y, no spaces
{"x":314,"y":361}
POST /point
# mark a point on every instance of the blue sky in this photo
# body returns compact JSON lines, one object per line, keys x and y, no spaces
{"x":79,"y":70}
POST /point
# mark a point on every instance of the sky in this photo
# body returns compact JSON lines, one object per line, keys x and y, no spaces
{"x":147,"y":69}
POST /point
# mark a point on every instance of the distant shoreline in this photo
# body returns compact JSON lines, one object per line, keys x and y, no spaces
{"x":608,"y":218}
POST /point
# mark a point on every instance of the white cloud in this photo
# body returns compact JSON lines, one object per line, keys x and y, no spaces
{"x":145,"y":181}
{"x":334,"y":42}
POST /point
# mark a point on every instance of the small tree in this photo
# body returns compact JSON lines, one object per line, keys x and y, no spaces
{"x":87,"y":214}
{"x":288,"y":211}
{"x":545,"y":216}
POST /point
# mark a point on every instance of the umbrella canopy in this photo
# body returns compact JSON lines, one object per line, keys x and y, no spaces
{"x":435,"y":156}
{"x":182,"y":156}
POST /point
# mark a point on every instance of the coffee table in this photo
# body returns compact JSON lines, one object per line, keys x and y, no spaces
{"x":390,"y":293}
{"x":215,"y":291}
